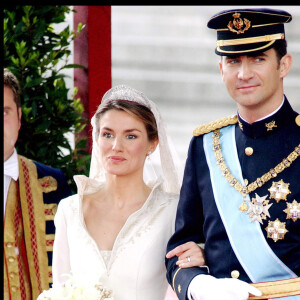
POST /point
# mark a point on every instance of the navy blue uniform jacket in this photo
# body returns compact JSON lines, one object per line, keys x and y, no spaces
{"x":198,"y":218}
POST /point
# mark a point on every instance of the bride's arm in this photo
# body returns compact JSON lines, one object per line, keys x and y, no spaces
{"x":61,"y":254}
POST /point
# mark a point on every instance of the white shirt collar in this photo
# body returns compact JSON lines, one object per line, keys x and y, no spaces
{"x":269,"y":115}
{"x":11,"y":166}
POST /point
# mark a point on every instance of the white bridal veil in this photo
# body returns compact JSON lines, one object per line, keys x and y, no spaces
{"x":164,"y":161}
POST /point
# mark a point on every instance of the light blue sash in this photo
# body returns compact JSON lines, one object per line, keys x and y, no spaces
{"x":246,"y":237}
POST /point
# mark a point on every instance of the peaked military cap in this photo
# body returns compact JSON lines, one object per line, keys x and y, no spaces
{"x":244,"y":31}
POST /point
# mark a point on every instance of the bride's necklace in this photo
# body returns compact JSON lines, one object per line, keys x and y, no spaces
{"x":248,"y":188}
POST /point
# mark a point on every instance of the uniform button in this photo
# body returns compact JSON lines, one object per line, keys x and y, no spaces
{"x":235,"y":274}
{"x":14,"y":289}
{"x":298,"y":120}
{"x":12,"y":275}
{"x":11,"y":259}
{"x":249,"y":151}
{"x":9,"y":245}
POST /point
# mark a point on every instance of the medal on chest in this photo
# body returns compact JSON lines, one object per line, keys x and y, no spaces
{"x":276,"y":230}
{"x":258,"y":207}
{"x":279,"y":190}
{"x":293,"y":210}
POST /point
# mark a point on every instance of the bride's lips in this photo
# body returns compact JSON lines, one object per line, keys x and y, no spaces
{"x":116,"y":158}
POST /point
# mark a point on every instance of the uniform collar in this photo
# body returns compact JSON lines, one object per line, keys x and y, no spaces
{"x":269,"y":125}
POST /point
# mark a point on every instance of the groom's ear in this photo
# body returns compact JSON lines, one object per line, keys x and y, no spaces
{"x":221,"y":66}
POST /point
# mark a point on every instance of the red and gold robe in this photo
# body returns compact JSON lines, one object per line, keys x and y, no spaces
{"x":27,"y":271}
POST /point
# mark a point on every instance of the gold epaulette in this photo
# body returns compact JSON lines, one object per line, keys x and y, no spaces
{"x":206,"y":128}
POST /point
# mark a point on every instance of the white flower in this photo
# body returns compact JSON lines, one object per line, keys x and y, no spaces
{"x":73,"y":291}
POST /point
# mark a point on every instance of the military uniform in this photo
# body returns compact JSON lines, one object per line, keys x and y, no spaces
{"x":29,"y":228}
{"x":198,"y":218}
{"x":241,"y":197}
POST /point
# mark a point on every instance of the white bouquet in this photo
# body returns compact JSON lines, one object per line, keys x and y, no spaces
{"x":72,"y":291}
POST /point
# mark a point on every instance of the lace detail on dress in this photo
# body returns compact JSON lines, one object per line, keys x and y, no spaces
{"x":133,"y":229}
{"x":131,"y":247}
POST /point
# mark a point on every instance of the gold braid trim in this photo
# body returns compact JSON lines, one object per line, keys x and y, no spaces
{"x":272,"y":173}
{"x":279,"y":288}
{"x":50,"y":274}
{"x":173,"y":282}
{"x":50,"y":211}
{"x":206,"y":128}
{"x":33,"y":214}
{"x":16,"y":281}
{"x":49,"y":242}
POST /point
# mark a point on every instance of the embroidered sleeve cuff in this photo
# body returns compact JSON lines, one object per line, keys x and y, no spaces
{"x":182,"y":279}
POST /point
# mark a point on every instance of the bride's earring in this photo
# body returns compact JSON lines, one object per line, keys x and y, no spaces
{"x":148,"y":155}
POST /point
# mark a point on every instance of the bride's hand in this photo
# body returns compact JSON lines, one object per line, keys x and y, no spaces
{"x":189,"y":255}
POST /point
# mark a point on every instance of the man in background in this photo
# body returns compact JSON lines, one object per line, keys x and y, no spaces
{"x":31,"y":193}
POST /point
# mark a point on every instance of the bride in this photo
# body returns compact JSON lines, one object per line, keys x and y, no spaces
{"x":116,"y":228}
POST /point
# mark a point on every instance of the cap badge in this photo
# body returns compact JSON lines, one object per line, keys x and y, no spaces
{"x":238,"y":25}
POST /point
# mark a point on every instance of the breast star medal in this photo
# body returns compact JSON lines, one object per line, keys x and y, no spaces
{"x":279,"y":190}
{"x":293,"y":210}
{"x":259,"y":208}
{"x":276,"y":230}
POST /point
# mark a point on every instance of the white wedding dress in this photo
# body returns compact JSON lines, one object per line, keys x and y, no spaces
{"x":134,"y":269}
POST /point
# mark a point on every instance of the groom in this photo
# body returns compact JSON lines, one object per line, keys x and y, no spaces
{"x":241,"y":194}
